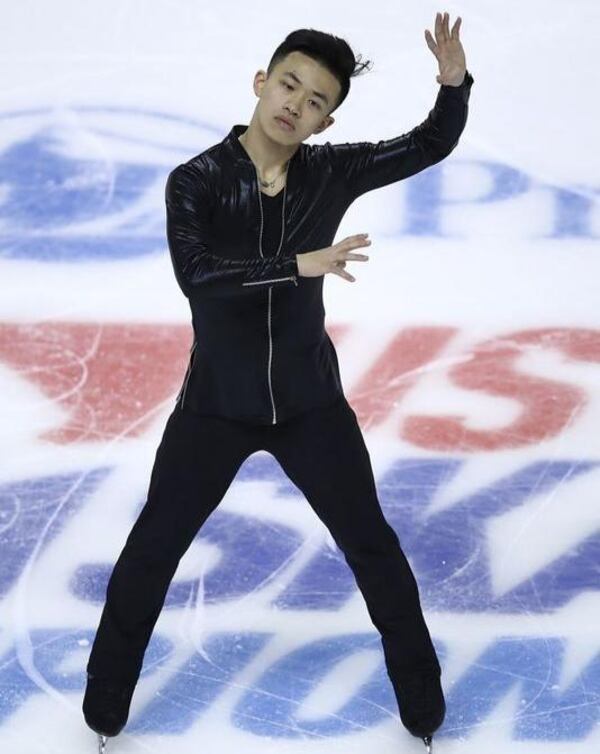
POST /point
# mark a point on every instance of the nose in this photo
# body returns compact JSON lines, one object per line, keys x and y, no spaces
{"x":293,"y":108}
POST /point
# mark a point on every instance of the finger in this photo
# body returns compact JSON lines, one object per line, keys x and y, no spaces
{"x":342,"y":274}
{"x":355,"y":257}
{"x":345,"y":242}
{"x":443,"y":27}
{"x":355,"y":241}
{"x":446,"y":26}
{"x":438,"y":28}
{"x":430,"y":43}
{"x":456,"y":28}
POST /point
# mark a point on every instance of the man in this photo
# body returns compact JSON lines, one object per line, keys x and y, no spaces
{"x":250,"y":225}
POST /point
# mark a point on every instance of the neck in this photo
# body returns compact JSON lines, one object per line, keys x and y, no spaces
{"x":269,"y":157}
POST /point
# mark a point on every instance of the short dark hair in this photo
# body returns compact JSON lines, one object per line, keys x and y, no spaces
{"x":332,"y":52}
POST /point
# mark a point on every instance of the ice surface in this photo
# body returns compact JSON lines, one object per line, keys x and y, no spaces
{"x":469,"y":348}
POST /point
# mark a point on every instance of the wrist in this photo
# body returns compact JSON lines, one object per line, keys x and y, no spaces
{"x":460,"y":93}
{"x":466,"y":79}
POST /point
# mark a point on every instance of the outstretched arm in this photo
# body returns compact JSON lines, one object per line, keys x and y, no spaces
{"x":198,"y":270}
{"x":365,"y":165}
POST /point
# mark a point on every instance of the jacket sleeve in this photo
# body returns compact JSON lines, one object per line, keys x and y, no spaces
{"x":198,"y":269}
{"x":365,"y":166}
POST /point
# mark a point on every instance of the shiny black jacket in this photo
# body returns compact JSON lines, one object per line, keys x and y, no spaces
{"x":260,"y":351}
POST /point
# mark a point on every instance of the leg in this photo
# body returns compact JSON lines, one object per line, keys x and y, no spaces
{"x":195,"y":463}
{"x":324,"y":454}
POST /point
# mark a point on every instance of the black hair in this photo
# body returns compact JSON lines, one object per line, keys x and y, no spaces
{"x":332,"y":52}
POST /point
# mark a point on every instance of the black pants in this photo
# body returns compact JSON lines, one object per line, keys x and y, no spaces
{"x":323,"y":453}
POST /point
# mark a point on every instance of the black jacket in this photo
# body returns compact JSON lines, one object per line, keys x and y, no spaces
{"x":260,"y":351}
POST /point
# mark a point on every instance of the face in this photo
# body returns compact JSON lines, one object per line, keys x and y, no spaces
{"x":300,"y":90}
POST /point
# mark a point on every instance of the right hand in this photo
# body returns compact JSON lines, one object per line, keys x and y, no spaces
{"x":333,"y":259}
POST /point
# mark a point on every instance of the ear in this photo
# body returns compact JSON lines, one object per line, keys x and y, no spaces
{"x":259,"y":81}
{"x":327,"y":121}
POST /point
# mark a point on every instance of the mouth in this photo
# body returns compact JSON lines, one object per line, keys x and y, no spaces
{"x":284,"y":124}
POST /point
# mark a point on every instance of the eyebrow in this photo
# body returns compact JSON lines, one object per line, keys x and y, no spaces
{"x":297,"y":80}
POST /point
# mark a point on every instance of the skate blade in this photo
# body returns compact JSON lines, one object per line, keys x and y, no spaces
{"x":101,"y":744}
{"x":427,"y":742}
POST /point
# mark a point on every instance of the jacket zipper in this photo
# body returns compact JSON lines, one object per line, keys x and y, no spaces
{"x":273,"y":280}
{"x":270,"y":361}
{"x":188,"y":374}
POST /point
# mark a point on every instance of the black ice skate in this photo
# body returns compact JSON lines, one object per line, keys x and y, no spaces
{"x":422,"y":704}
{"x":106,"y":706}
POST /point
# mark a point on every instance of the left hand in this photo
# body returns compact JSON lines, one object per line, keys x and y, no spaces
{"x":448,"y":50}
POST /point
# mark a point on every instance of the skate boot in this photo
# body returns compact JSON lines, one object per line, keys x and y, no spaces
{"x":422,"y":704}
{"x":106,"y":706}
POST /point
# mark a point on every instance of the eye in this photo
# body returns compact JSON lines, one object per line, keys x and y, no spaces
{"x":312,"y":100}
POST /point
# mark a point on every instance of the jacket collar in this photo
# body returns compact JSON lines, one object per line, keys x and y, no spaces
{"x":233,"y":142}
{"x":237,"y":149}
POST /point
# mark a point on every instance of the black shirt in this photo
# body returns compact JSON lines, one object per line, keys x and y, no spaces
{"x":272,"y":216}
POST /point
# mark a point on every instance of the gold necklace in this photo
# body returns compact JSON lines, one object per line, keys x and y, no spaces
{"x":268,"y":184}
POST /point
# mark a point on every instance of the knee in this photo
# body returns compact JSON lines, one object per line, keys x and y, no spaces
{"x":376,"y":543}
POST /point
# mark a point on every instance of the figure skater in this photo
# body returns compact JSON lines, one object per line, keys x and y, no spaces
{"x":250,"y":225}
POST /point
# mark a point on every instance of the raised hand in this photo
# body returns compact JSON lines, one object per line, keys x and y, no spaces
{"x":448,"y":50}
